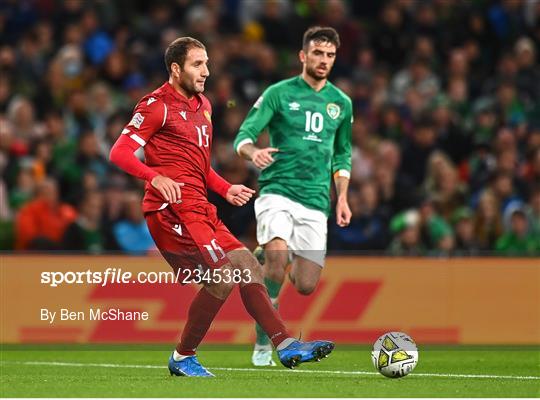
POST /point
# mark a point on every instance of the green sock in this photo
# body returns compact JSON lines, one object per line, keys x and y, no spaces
{"x":273,"y":289}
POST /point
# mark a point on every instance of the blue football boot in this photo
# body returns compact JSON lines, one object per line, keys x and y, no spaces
{"x":188,"y":366}
{"x":300,"y":352}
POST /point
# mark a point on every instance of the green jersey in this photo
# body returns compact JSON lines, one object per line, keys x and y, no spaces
{"x":312,"y":131}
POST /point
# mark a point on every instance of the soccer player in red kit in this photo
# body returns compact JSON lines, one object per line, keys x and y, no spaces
{"x":174,"y":126}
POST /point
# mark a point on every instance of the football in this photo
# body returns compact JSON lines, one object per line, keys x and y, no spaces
{"x":394,"y":354}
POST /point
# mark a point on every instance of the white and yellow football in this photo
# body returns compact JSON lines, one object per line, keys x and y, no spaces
{"x":394,"y":354}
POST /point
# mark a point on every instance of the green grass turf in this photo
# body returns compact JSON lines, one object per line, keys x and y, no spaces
{"x":22,"y":380}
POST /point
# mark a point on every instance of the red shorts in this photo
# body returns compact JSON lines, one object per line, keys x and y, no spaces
{"x":191,"y":240}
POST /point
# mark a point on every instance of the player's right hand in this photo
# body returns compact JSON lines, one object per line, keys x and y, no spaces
{"x":169,"y":189}
{"x":262,"y":158}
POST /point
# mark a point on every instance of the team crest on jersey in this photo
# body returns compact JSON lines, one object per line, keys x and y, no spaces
{"x":207,"y":115}
{"x":333,"y":110}
{"x":136,"y":121}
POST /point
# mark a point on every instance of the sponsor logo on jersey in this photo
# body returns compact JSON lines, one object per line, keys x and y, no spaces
{"x":150,"y":101}
{"x":136,"y":121}
{"x":294,"y":106}
{"x":333,"y":110}
{"x":207,"y":115}
{"x":312,"y":138}
{"x":184,"y":115}
{"x":258,"y":102}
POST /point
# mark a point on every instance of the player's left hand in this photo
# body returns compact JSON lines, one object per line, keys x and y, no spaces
{"x":238,"y":195}
{"x":343,"y":213}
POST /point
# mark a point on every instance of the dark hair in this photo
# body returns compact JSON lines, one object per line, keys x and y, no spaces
{"x":321,"y":34}
{"x":177,"y":51}
{"x":424,"y":121}
{"x":518,"y":212}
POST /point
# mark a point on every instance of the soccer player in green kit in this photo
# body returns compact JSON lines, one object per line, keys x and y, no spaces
{"x":309,"y":123}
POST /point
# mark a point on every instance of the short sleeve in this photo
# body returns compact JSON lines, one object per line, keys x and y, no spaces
{"x":258,"y":118}
{"x":148,"y":117}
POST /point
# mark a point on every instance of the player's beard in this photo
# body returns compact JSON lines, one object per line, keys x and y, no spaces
{"x":312,"y":72}
{"x":190,"y":87}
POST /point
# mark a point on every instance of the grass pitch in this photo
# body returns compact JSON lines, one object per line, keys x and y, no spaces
{"x":140,"y":371}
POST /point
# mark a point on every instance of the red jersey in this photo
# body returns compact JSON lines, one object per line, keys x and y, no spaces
{"x":176,"y":134}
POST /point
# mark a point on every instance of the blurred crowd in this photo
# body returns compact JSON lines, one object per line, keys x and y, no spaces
{"x":446,"y":136}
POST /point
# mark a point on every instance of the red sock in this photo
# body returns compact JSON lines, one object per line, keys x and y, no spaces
{"x":202,"y":312}
{"x":258,"y":305}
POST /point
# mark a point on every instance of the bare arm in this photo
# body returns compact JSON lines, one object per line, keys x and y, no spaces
{"x":261,"y":157}
{"x":343,"y":212}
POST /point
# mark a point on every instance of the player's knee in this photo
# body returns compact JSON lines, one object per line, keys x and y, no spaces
{"x":276,"y":259}
{"x":305,"y":288}
{"x":252,"y":272}
{"x":220,"y":290}
{"x":274,"y":271}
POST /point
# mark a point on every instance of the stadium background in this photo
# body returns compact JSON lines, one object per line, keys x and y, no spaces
{"x":446,"y":159}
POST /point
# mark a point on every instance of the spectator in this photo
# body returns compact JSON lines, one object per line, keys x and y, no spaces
{"x":487,"y":221}
{"x":41,"y":223}
{"x":389,"y":41}
{"x":436,"y":234}
{"x":451,"y":137}
{"x":364,"y":70}
{"x":518,"y":242}
{"x":418,"y":76}
{"x":391,"y":126}
{"x":417,"y":151}
{"x":113,"y":207}
{"x":63,"y":148}
{"x":502,"y":187}
{"x":479,"y":167}
{"x":85,"y":234}
{"x":23,"y":191}
{"x":534,"y":212}
{"x":459,"y":103}
{"x":473,"y":31}
{"x":88,"y":158}
{"x":102,"y":107}
{"x":380,"y":92}
{"x":21,"y":114}
{"x":336,"y":15}
{"x":40,"y":159}
{"x":274,"y":24}
{"x":363,"y":156}
{"x":531,"y":169}
{"x":77,"y":117}
{"x":426,"y":23}
{"x":466,"y":243}
{"x":508,"y":163}
{"x":458,"y":66}
{"x":484,"y":122}
{"x":406,"y":229}
{"x":443,"y":186}
{"x":6,"y":223}
{"x":528,"y":74}
{"x":510,"y":108}
{"x":131,"y":232}
{"x":394,"y":189}
{"x":368,"y":228}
